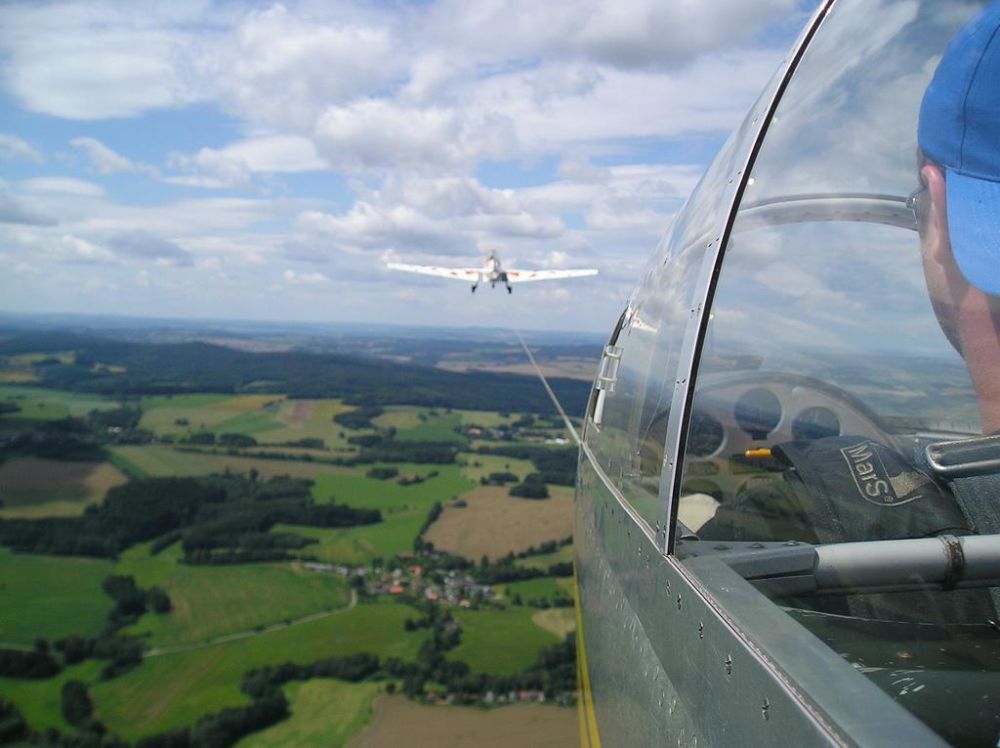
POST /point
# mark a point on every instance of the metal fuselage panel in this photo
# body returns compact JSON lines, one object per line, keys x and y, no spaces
{"x":634,"y":700}
{"x":657,"y":655}
{"x":697,"y":656}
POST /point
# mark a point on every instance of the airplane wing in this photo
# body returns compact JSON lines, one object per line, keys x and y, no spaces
{"x":462,"y":274}
{"x":525,"y":276}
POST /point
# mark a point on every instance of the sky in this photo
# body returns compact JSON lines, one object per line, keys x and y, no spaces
{"x":243,"y":160}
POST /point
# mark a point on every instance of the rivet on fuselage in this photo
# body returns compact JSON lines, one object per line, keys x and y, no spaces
{"x":701,"y":630}
{"x":765,"y":710}
{"x":729,"y":664}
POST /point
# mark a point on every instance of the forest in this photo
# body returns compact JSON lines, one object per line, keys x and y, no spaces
{"x":121,"y":368}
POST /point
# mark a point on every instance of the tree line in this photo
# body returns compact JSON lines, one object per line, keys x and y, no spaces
{"x":135,"y":368}
{"x":231,"y":514}
{"x":555,"y":464}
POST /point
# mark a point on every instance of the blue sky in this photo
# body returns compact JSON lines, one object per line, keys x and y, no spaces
{"x":264,"y":160}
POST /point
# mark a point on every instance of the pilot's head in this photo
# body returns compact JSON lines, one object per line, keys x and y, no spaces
{"x":958,"y":204}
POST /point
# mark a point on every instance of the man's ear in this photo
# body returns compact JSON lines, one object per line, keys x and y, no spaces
{"x":937,"y":213}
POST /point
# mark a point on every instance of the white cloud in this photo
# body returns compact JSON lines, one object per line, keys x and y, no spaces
{"x":368,"y":226}
{"x":104,"y":160}
{"x":402,"y":103}
{"x":305,"y":279}
{"x":235,"y":165}
{"x":61,"y":186}
{"x":281,"y":68}
{"x":95,"y":60}
{"x":375,"y":133}
{"x":73,"y":248}
{"x":519,"y":224}
{"x":711,"y":95}
{"x":13,"y":147}
{"x":140,"y":245}
{"x":14,"y":209}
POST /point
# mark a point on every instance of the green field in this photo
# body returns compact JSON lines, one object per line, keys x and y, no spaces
{"x":486,"y":418}
{"x":564,"y":554}
{"x":500,"y":642}
{"x":548,"y":588}
{"x":388,"y":495}
{"x":434,"y":426}
{"x":203,"y":412}
{"x":213,"y":601}
{"x":51,"y":596}
{"x":270,"y":419}
{"x":226,"y":620}
{"x":39,"y":404}
{"x":160,"y":460}
{"x":404,"y":509}
{"x":407,"y":420}
{"x":176,"y":689}
{"x":39,"y":701}
{"x":325,"y":714}
{"x":476,"y":466}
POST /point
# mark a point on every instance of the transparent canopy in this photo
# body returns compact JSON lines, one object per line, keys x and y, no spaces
{"x":843,"y":377}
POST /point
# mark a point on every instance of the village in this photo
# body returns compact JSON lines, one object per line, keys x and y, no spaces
{"x":418,"y":578}
{"x":451,"y":587}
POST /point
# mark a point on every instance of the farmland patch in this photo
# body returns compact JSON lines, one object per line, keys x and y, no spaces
{"x":32,"y":488}
{"x":212,"y":601}
{"x":494,"y":524}
{"x":51,"y":596}
{"x":325,"y":714}
{"x":159,"y":460}
{"x":500,"y":642}
{"x":558,"y":621}
{"x":397,"y":721}
{"x":176,"y":689}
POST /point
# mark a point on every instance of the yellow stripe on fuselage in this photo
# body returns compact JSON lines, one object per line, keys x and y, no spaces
{"x":589,"y":735}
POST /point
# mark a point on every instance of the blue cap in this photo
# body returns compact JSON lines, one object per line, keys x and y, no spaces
{"x":959,"y":129}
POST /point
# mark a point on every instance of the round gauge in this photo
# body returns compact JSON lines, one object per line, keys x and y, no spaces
{"x":757,"y":412}
{"x":705,"y":435}
{"x":815,"y":423}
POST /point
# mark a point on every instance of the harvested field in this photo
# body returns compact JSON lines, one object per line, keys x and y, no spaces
{"x":398,"y":721}
{"x":559,"y":621}
{"x":302,"y":410}
{"x":32,"y":488}
{"x":494,"y":523}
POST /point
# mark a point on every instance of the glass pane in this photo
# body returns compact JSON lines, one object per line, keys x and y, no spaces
{"x":833,"y":402}
{"x":628,"y":420}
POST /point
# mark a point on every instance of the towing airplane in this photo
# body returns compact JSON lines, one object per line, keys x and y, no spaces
{"x":492,"y":272}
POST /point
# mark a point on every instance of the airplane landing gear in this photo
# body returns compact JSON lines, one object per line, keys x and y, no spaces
{"x":509,"y":289}
{"x":474,"y":286}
